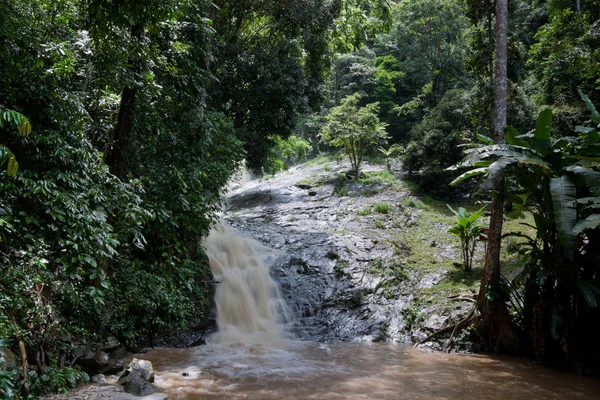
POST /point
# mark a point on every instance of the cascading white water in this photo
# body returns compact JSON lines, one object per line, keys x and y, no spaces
{"x":249,"y":357}
{"x":250,"y":309}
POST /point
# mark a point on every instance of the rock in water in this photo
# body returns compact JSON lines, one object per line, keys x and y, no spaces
{"x":98,"y":379}
{"x":138,"y":378}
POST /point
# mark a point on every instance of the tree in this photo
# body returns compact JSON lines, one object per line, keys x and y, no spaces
{"x":353,"y":129}
{"x":558,"y":181}
{"x":495,"y":323}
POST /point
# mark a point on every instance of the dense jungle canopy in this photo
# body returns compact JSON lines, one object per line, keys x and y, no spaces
{"x":122,"y":121}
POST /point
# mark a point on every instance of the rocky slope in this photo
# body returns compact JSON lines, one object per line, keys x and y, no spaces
{"x":356,"y":261}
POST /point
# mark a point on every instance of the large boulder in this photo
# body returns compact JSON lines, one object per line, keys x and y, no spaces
{"x":138,"y":377}
{"x":99,"y":362}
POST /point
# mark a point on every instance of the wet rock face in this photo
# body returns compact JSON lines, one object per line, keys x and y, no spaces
{"x":324,"y":256}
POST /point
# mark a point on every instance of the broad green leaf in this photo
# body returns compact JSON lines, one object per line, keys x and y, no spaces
{"x":13,"y":166}
{"x":485,"y":139}
{"x":590,"y":106}
{"x":563,"y":191}
{"x":590,"y":176}
{"x":512,"y":138}
{"x":589,"y":291}
{"x":591,"y":222}
{"x":24,"y":127}
{"x":541,"y":137}
{"x":468,"y":174}
{"x":452,"y":209}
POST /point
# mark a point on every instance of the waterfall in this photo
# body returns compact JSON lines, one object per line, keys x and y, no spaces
{"x":250,"y":309}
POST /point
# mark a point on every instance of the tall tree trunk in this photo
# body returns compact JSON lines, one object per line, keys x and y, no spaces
{"x":495,"y":324}
{"x":116,"y":157}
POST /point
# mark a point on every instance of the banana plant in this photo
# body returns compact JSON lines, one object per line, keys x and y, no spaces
{"x":558,"y":180}
{"x":387,"y":153}
{"x":468,"y":231}
{"x":561,"y":175}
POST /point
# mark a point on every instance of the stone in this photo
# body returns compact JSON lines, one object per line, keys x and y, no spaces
{"x":143,"y":368}
{"x":435,"y":322}
{"x":8,"y":359}
{"x":138,"y":378}
{"x":98,"y":379}
{"x":138,"y":386}
{"x":114,"y":366}
{"x":101,"y":357}
{"x":111,"y":343}
{"x":89,"y":364}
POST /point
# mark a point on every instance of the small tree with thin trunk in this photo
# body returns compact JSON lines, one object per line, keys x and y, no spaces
{"x":353,"y":128}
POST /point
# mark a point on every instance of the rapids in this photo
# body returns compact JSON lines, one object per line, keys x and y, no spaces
{"x":253,"y":354}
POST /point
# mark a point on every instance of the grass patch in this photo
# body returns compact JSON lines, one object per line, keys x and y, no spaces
{"x":380,"y":224}
{"x":369,"y":192}
{"x":322,"y":158}
{"x":384,"y":176}
{"x":365,"y":211}
{"x":383,"y":208}
{"x":393,"y":275}
{"x":311,"y":181}
{"x":340,"y":268}
{"x":410,"y":202}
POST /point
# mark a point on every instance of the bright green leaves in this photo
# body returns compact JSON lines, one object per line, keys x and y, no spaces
{"x":23,"y":126}
{"x":353,"y":128}
{"x":468,"y":231}
{"x":469,"y":174}
{"x":541,"y":137}
{"x":16,"y":118}
{"x":590,"y":106}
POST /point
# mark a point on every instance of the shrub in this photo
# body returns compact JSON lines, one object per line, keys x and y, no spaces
{"x":383,"y":207}
{"x":353,"y":129}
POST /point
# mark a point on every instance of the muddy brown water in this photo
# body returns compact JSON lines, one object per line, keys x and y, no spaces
{"x":309,"y":370}
{"x":252,"y":357}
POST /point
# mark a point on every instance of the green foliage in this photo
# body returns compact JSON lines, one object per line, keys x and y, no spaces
{"x":558,"y":181}
{"x":340,"y":269}
{"x":286,"y":153}
{"x":565,"y":55}
{"x":23,"y":126}
{"x":271,"y":59}
{"x":383,"y":207}
{"x":387,"y":153}
{"x":435,"y":142}
{"x":353,"y":129}
{"x":468,"y":231}
{"x":365,"y":211}
{"x":82,"y":252}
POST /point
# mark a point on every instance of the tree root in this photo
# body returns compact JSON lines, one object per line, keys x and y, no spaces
{"x":455,"y":329}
